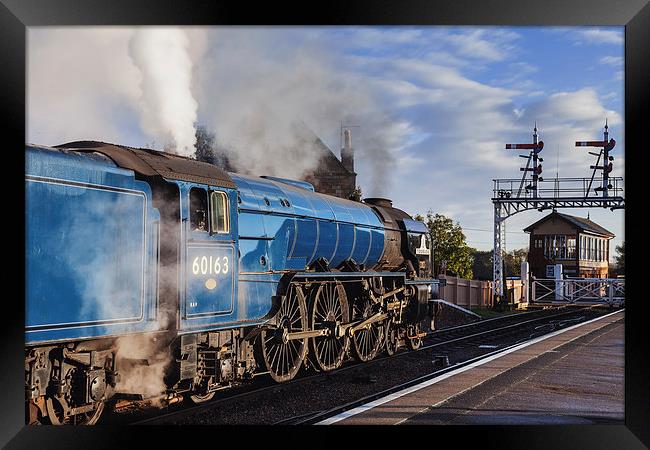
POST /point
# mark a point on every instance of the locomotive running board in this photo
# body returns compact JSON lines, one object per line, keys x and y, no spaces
{"x":335,"y":275}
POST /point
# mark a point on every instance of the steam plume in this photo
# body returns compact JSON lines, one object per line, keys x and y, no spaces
{"x":167,"y":105}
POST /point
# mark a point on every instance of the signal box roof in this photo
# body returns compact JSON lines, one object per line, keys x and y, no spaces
{"x":581,"y":223}
{"x":149,"y":162}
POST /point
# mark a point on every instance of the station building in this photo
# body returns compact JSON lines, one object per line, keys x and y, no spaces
{"x":579,"y":244}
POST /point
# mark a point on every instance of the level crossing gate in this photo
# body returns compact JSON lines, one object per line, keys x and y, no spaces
{"x":578,"y":291}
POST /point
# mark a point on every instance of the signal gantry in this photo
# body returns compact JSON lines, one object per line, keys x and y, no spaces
{"x":511,"y":196}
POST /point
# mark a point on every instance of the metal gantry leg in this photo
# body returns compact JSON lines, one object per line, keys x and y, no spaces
{"x":499,"y":240}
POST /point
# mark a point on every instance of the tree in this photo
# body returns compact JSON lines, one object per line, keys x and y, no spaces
{"x":620,"y":259}
{"x":482,"y":266}
{"x":512,"y":261}
{"x":449,"y":245}
{"x":356,"y":194}
{"x":208,"y":151}
{"x":204,"y":145}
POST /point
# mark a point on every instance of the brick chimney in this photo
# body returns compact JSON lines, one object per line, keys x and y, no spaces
{"x":347,"y":152}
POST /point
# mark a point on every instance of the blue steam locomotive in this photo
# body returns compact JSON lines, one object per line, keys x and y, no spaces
{"x":150,"y":275}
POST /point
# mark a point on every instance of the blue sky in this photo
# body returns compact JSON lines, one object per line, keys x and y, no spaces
{"x":434,"y":105}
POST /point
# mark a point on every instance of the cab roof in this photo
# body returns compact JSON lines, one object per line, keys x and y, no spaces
{"x":149,"y":162}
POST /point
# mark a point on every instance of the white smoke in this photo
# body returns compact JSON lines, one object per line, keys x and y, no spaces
{"x":256,"y":84}
{"x":146,"y":377}
{"x":168,"y":108}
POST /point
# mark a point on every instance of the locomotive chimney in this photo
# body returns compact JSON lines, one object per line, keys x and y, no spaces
{"x":379,"y":201}
{"x":347,"y":152}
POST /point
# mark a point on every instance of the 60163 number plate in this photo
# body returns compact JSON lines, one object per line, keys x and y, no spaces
{"x":209,"y":280}
{"x":210,"y":265}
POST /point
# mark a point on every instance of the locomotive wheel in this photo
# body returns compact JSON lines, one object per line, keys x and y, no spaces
{"x":197,"y":398}
{"x":368,"y":341}
{"x":283,"y":357}
{"x":414,"y":343}
{"x":391,"y":337}
{"x":329,"y":307}
{"x":57,"y":407}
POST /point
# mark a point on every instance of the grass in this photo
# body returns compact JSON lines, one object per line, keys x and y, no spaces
{"x":488,"y":313}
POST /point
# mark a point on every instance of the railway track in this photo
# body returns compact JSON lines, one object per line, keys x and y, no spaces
{"x":453,"y":346}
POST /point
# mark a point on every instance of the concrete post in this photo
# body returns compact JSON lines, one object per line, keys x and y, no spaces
{"x":611,"y":292}
{"x":532,"y":293}
{"x":525,"y":281}
{"x":558,"y":282}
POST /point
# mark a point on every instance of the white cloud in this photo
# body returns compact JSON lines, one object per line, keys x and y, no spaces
{"x":610,"y":96}
{"x":612,"y":60}
{"x":566,"y":117}
{"x":373,"y":38}
{"x":600,"y":36}
{"x":483,"y":44}
{"x":516,"y":77}
{"x":581,"y":107}
{"x":468,"y":47}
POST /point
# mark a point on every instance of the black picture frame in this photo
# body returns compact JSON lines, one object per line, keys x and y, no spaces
{"x":16,"y":15}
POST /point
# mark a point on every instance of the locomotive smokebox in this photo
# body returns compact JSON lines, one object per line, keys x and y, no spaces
{"x":379,"y":201}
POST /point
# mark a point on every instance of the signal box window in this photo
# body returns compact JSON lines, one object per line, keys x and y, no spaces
{"x":571,"y":248}
{"x":219,"y":216}
{"x":199,"y":209}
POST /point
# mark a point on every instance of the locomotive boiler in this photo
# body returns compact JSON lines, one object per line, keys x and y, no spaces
{"x":150,"y":275}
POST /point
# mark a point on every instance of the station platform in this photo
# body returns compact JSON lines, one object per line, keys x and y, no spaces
{"x":572,"y":376}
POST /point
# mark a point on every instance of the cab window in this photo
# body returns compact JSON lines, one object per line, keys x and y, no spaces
{"x":219,"y":217}
{"x":199,"y":209}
